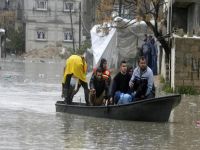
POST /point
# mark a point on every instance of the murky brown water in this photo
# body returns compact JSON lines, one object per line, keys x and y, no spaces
{"x":28,"y":92}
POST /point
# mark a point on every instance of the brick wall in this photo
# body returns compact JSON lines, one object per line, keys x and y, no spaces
{"x":185,"y":62}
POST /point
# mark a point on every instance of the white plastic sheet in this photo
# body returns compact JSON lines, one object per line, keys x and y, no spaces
{"x":104,"y":47}
{"x":119,"y":44}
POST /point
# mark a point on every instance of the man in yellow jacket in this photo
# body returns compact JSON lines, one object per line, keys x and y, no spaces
{"x":76,"y":66}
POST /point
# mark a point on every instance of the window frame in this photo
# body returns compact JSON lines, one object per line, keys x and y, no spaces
{"x":41,"y":38}
{"x":67,"y":40}
{"x":64,"y":6}
{"x":45,"y":5}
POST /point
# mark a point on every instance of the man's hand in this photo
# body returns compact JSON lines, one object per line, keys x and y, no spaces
{"x":111,"y":100}
{"x":93,"y":91}
{"x":105,"y":101}
{"x":131,"y":84}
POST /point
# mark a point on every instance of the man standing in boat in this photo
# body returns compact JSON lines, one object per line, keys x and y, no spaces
{"x":142,"y":81}
{"x":98,"y":88}
{"x":76,"y":67}
{"x":120,"y":85}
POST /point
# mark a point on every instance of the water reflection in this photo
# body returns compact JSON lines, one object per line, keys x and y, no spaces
{"x":92,"y":133}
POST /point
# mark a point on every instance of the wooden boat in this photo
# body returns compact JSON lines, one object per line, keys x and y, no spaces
{"x":154,"y":110}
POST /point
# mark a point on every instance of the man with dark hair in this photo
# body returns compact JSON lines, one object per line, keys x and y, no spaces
{"x":105,"y":72}
{"x":120,"y":83}
{"x":142,"y":80}
{"x":98,"y":88}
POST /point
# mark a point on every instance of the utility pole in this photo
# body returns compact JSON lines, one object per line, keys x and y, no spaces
{"x":80,"y":25}
{"x":120,"y":8}
{"x":70,"y":11}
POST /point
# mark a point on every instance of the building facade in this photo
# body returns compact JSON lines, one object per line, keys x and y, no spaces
{"x":185,"y":16}
{"x":49,"y":22}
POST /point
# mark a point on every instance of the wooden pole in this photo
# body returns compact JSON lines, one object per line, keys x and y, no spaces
{"x":80,"y":25}
{"x":72,"y":30}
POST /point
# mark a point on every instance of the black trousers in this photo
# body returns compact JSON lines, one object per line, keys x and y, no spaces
{"x":66,"y":86}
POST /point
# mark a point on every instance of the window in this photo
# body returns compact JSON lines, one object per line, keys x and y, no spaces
{"x":41,"y":5}
{"x":68,"y":36}
{"x":68,"y":5}
{"x":41,"y":35}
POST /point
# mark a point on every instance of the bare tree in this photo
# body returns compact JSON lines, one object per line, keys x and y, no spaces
{"x":152,"y":12}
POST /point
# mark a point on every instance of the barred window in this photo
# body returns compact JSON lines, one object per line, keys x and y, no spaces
{"x":41,"y":35}
{"x":41,"y":4}
{"x":68,"y":36}
{"x":68,"y":6}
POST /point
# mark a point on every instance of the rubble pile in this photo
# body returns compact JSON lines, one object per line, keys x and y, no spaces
{"x":49,"y":53}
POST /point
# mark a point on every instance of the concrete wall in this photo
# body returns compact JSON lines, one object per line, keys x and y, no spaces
{"x":54,"y":21}
{"x":12,"y":4}
{"x":54,"y":35}
{"x":186,"y":62}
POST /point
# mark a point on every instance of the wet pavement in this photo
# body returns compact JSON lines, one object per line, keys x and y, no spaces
{"x":28,"y":92}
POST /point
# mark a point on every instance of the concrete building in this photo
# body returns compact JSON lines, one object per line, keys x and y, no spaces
{"x":48,"y":23}
{"x":184,"y":19}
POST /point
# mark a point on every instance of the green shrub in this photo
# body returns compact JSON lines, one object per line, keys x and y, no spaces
{"x":167,"y":88}
{"x":187,"y":90}
{"x":162,"y":79}
{"x":17,"y":40}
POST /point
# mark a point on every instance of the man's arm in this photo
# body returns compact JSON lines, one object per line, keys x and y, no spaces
{"x":113,"y":87}
{"x":132,"y":79}
{"x":106,"y":90}
{"x":150,"y":82}
{"x":92,"y":82}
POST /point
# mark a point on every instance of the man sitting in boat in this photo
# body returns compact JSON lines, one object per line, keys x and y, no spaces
{"x":120,"y":86}
{"x":105,"y":72}
{"x":76,"y":66}
{"x":142,"y":81}
{"x":98,"y":88}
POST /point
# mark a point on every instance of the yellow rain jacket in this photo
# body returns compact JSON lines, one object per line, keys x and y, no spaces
{"x":77,"y":66}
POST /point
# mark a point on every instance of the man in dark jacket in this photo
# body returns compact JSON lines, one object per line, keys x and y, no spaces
{"x":98,"y":88}
{"x":120,"y":82}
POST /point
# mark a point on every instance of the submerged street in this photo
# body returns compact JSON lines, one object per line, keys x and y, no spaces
{"x":29,"y":91}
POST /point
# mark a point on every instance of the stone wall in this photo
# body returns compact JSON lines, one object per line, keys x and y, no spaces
{"x":185,"y":62}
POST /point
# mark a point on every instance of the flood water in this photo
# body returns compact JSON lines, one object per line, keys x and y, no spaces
{"x":28,"y":121}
